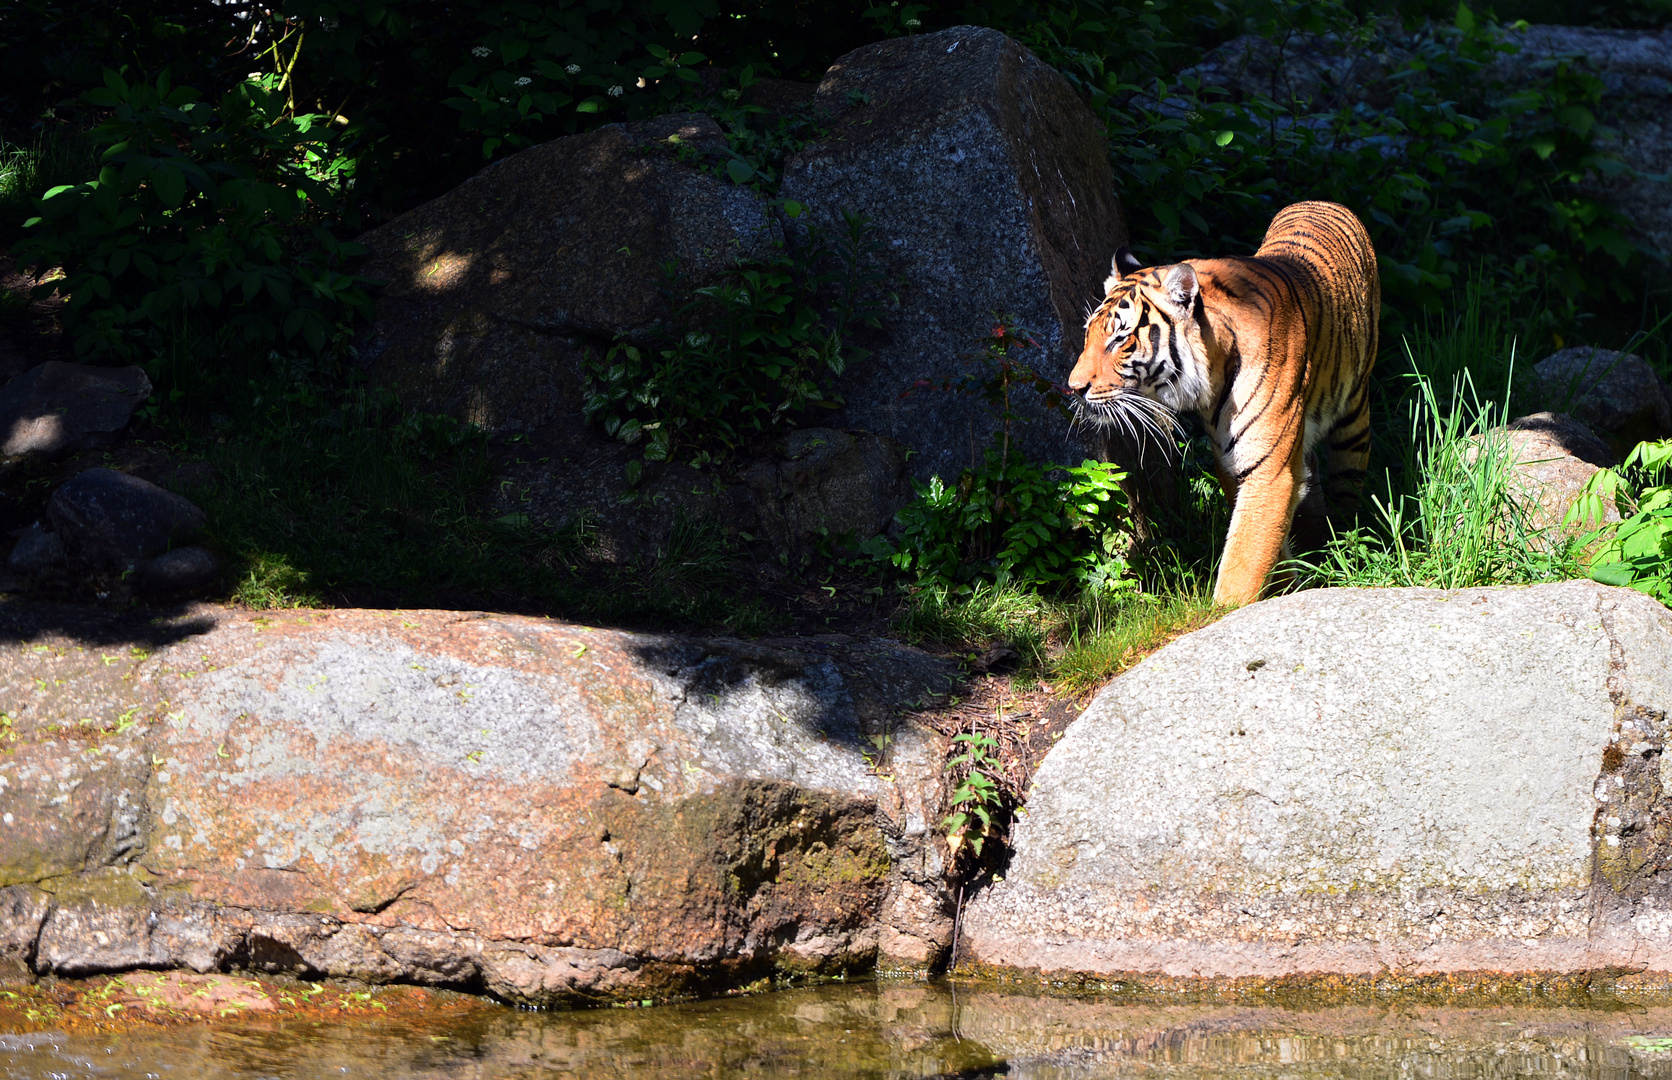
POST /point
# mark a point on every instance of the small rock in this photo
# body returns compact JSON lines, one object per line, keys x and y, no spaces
{"x":182,"y":570}
{"x":113,"y":520}
{"x":1618,"y":395}
{"x":57,"y":408}
{"x":1555,"y":456}
{"x":37,"y":551}
{"x":839,"y":481}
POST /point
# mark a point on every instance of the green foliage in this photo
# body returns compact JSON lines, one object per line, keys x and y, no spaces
{"x":540,"y":63}
{"x":1635,"y":552}
{"x":1010,"y":520}
{"x":1453,"y":168}
{"x":201,"y":218}
{"x":976,"y":798}
{"x":758,"y":142}
{"x":747,"y":357}
{"x":343,"y":497}
{"x":54,"y":157}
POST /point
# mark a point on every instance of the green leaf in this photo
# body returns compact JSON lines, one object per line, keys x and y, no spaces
{"x":739,"y":170}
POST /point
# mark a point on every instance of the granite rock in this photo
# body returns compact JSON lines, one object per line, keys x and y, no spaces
{"x":1554,"y":457}
{"x":180,"y":571}
{"x":111,"y":520}
{"x":988,"y":185}
{"x":55,"y":409}
{"x":36,"y":552}
{"x":549,"y":812}
{"x":500,"y":292}
{"x":1359,"y":781}
{"x":1618,"y":395}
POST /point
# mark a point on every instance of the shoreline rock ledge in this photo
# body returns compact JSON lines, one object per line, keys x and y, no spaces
{"x":1359,"y":782}
{"x":548,"y":812}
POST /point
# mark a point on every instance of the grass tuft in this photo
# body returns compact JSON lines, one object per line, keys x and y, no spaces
{"x":57,"y":156}
{"x":1110,"y":642}
{"x":1454,"y":516}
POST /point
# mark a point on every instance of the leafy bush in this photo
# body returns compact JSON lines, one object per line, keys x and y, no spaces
{"x":1454,"y":168}
{"x":203,"y":220}
{"x":1011,"y":521}
{"x":1635,"y":552}
{"x":746,"y":357}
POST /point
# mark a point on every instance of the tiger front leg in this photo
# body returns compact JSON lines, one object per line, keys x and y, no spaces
{"x":1260,"y":517}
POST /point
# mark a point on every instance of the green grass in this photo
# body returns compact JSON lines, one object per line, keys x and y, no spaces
{"x":57,"y":156}
{"x":1077,"y":642}
{"x":1103,"y":646}
{"x":1451,"y":515}
{"x":985,"y":616}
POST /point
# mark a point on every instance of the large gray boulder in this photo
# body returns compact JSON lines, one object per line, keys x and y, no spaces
{"x":987,"y":182}
{"x":56,"y":409}
{"x":1354,"y":781}
{"x":549,"y":812}
{"x":499,"y":293}
{"x":1618,"y":395}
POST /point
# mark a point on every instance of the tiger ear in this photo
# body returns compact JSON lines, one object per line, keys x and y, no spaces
{"x":1121,"y":265}
{"x":1182,"y":286}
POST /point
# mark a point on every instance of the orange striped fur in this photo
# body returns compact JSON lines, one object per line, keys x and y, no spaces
{"x":1272,"y":352}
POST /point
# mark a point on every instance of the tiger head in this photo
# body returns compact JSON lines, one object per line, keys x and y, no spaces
{"x":1140,"y":364}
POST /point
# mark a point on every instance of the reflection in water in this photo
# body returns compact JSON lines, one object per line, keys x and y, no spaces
{"x":894,"y":1030}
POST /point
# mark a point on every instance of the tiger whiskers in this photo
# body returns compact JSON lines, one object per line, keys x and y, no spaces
{"x":1141,"y":419}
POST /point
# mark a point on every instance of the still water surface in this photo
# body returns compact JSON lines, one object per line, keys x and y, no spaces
{"x":895,"y":1031}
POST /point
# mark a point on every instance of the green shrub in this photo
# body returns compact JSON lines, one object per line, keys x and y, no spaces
{"x":1457,"y":169}
{"x":1011,"y":521}
{"x":1635,"y":552}
{"x":205,"y":221}
{"x":1015,"y":522}
{"x":745,"y":358}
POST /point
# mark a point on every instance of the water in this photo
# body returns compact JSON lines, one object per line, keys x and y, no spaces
{"x":892,"y":1030}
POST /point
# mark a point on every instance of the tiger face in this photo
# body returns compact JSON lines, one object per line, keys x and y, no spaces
{"x":1142,"y":359}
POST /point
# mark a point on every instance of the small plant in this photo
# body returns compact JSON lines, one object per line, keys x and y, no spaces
{"x":1636,"y":552}
{"x":1010,"y":520}
{"x":745,"y":358}
{"x":976,"y":799}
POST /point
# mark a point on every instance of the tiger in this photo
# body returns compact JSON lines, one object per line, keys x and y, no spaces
{"x":1273,"y":352}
